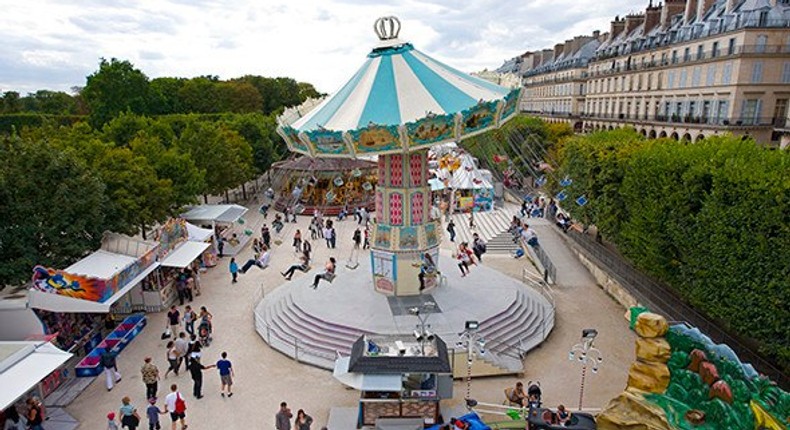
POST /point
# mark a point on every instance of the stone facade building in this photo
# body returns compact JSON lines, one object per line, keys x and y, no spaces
{"x":685,"y":69}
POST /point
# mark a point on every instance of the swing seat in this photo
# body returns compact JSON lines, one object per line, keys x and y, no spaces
{"x":352,"y":264}
{"x":278,"y":242}
{"x":331,"y":277}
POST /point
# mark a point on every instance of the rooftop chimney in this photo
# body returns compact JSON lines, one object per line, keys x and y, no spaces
{"x":670,"y":9}
{"x":730,"y":6}
{"x":546,"y":56}
{"x":703,"y":6}
{"x":618,"y":25}
{"x":652,"y":17}
{"x":596,"y":34}
{"x":689,"y":13}
{"x":558,"y":50}
{"x":632,"y":22}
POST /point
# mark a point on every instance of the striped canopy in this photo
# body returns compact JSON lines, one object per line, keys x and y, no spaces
{"x":398,"y":100}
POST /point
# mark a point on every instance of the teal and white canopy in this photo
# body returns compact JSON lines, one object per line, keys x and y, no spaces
{"x":400,"y":99}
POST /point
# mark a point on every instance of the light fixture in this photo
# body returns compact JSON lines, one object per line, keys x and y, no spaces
{"x":472,"y":325}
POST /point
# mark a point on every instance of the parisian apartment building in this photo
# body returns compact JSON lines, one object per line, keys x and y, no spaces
{"x":683,"y":69}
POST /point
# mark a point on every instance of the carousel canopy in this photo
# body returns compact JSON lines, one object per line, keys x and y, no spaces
{"x":400,"y":98}
{"x":308,"y":164}
{"x":468,"y":177}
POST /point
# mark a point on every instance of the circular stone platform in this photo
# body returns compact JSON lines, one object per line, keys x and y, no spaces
{"x":314,"y":326}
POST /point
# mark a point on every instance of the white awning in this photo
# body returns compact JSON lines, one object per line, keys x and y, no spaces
{"x":25,"y":364}
{"x":57,"y":303}
{"x":363,"y":382}
{"x":185,"y":254}
{"x":198,"y":234}
{"x":215,"y":213}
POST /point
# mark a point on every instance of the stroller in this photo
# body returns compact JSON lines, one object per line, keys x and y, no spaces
{"x":534,"y":395}
{"x":204,"y":332}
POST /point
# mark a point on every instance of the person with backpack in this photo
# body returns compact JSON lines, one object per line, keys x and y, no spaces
{"x":177,"y":407}
{"x":451,"y":230}
{"x":112,"y":376}
{"x":478,"y":247}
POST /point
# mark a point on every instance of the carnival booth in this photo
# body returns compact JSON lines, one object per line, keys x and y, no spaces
{"x":26,"y":369}
{"x":226,"y":222}
{"x":205,"y":235}
{"x":176,"y":254}
{"x":111,"y":277}
{"x":472,"y":189}
{"x":325,"y":184}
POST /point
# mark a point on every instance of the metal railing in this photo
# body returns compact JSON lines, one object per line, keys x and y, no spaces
{"x":733,"y":122}
{"x":663,"y":299}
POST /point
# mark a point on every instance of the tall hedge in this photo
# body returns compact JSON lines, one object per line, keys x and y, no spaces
{"x":711,"y":219}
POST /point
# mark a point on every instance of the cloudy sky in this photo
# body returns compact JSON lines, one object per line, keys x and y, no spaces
{"x":55,"y":44}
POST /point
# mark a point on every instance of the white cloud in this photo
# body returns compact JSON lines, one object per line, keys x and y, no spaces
{"x":56,"y":44}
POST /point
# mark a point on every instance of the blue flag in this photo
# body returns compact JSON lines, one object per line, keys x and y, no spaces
{"x":581,"y":201}
{"x":562,"y":195}
{"x":541,"y":181}
{"x":566,"y":181}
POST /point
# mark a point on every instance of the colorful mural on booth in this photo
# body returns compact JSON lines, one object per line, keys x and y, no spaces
{"x":173,"y":232}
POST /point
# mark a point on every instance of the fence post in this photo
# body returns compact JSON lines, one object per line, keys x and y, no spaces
{"x":296,"y":349}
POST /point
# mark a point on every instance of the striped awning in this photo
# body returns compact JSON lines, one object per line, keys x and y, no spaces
{"x":398,"y":100}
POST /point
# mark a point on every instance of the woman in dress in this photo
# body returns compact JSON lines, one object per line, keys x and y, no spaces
{"x":172,"y":358}
{"x":302,"y":421}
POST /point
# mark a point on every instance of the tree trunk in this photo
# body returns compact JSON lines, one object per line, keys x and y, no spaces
{"x":142,"y":226}
{"x":205,"y":199}
{"x":227,"y":198}
{"x":244,"y":192}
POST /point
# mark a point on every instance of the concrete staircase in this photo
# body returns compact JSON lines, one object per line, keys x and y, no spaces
{"x":491,"y":226}
{"x":308,"y":339}
{"x":516,"y":330}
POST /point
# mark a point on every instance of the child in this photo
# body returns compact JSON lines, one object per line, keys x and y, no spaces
{"x":111,"y":424}
{"x":234,"y":270}
{"x":153,"y":412}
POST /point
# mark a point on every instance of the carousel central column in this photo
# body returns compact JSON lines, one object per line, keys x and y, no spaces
{"x":404,"y":231}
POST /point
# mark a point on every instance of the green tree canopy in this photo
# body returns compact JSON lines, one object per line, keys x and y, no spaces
{"x":116,"y":87}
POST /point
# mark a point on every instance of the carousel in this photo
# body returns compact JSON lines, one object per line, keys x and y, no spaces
{"x":326,"y":185}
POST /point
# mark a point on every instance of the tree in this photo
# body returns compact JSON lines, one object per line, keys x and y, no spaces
{"x":164,"y":96}
{"x":116,"y":87}
{"x":221,"y":153}
{"x":240,"y":97}
{"x":51,"y":204}
{"x":200,"y":95}
{"x":308,"y":91}
{"x":260,"y":132}
{"x":11,"y":102}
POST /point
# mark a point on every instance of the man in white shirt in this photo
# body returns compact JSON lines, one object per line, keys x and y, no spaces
{"x":262,"y":261}
{"x":175,"y":404}
{"x":529,"y":235}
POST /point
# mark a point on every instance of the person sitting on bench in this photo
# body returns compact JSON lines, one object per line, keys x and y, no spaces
{"x":328,"y":274}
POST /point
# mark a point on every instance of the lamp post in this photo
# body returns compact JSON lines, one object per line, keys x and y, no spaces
{"x":474,"y":344}
{"x":587,"y":355}
{"x":422,"y":333}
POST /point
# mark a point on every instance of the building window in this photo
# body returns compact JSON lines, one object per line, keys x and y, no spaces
{"x":722,"y":111}
{"x":649,"y":81}
{"x":706,"y":111}
{"x":700,"y":52}
{"x":639,"y":82}
{"x":757,"y":72}
{"x":726,"y":74}
{"x":687,"y":54}
{"x":715,"y":50}
{"x":658,"y":80}
{"x":750,"y":111}
{"x":762,"y":40}
{"x":683,"y":76}
{"x":664,"y":56}
{"x":674,"y":57}
{"x":670,"y":79}
{"x":711,"y":79}
{"x":780,"y":112}
{"x":786,"y":72}
{"x":695,"y":76}
{"x":731,"y":47}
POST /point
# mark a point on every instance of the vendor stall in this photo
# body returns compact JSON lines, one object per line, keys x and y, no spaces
{"x":177,"y":253}
{"x":472,"y":189}
{"x":398,"y":376}
{"x":111,"y":277}
{"x":24,"y":369}
{"x":205,"y":235}
{"x":226,"y":222}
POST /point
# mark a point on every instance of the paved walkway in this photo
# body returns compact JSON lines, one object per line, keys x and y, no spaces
{"x":265,"y":377}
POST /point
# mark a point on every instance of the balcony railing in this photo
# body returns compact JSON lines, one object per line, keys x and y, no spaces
{"x":734,"y":122}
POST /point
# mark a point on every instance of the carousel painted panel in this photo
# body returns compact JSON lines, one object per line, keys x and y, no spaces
{"x":431,"y":235}
{"x":478,"y":117}
{"x":382,"y":237}
{"x":376,"y":139}
{"x":511,"y":104}
{"x":384,"y":266}
{"x":294,"y":142}
{"x":328,"y":142}
{"x":408,"y":239}
{"x":430,"y":130}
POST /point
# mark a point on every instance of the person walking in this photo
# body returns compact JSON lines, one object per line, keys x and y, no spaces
{"x":464,"y":259}
{"x":366,"y":243}
{"x":297,"y":244}
{"x":153,"y":412}
{"x":189,"y":319}
{"x":328,"y":235}
{"x":282,"y":420}
{"x":357,"y":238}
{"x":111,"y":424}
{"x":451,"y":230}
{"x":196,"y":369}
{"x":328,"y":273}
{"x":307,"y":249}
{"x":478,"y":247}
{"x":262,"y":261}
{"x":150,"y":378}
{"x":175,"y":404}
{"x":266,"y":236}
{"x":172,"y":358}
{"x":35,"y":414}
{"x":220,"y":246}
{"x":226,"y":374}
{"x":181,"y":345}
{"x":12,"y":419}
{"x":111,"y":374}
{"x":332,"y":236}
{"x":302,"y":420}
{"x":173,"y":318}
{"x":234,"y":271}
{"x":128,"y":414}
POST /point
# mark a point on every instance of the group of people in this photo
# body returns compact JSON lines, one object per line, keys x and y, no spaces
{"x":522,"y":231}
{"x":187,"y":284}
{"x":32,"y":417}
{"x":302,"y":421}
{"x":530,"y":399}
{"x":129,"y":417}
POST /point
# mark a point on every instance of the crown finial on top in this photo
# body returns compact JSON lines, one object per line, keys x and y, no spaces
{"x":387,"y":27}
